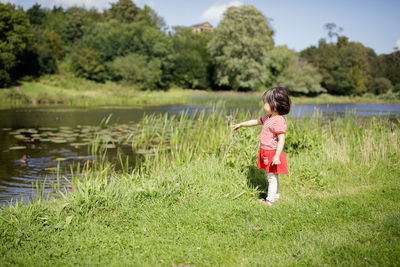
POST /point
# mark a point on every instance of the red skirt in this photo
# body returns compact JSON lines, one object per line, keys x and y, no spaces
{"x":265,"y":160}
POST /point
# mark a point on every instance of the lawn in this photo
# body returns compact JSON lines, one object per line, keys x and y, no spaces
{"x":195,"y":200}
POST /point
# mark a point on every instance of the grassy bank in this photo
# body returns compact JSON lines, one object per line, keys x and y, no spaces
{"x":72,"y":91}
{"x":194,"y":200}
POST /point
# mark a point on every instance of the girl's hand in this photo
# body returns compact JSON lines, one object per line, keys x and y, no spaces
{"x":236,"y":126}
{"x":275,"y":160}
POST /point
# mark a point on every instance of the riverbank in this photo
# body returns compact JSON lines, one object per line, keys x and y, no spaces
{"x":72,"y":91}
{"x":194,"y":200}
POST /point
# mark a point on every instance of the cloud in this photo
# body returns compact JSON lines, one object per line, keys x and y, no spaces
{"x":214,"y":13}
{"x":7,"y":1}
{"x":398,"y":45}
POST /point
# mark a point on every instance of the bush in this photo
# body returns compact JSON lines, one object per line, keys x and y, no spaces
{"x":137,"y":70}
{"x":396,"y":88}
{"x":381,"y":85}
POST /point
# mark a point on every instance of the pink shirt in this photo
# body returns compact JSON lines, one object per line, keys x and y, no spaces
{"x":272,"y":126}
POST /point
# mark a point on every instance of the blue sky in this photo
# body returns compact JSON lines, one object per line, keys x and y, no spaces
{"x":297,"y":23}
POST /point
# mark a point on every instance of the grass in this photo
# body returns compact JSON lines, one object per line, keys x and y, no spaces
{"x":194,"y":200}
{"x":65,"y":89}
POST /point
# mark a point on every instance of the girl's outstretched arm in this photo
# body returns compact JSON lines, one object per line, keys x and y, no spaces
{"x":249,"y":123}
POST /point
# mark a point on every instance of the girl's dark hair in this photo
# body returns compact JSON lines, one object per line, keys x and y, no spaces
{"x":278,"y":99}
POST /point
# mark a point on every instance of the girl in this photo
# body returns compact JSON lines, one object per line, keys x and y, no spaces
{"x":272,"y":139}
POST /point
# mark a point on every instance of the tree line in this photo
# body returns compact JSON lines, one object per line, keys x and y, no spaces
{"x":133,"y":46}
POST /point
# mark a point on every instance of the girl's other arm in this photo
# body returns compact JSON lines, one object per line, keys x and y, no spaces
{"x":279,"y":148}
{"x":249,"y":123}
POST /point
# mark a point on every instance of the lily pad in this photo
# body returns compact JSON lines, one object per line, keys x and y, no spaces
{"x":17,"y":147}
{"x":20,"y":137}
{"x":48,"y":129}
{"x":58,"y":141}
{"x":78,"y":144}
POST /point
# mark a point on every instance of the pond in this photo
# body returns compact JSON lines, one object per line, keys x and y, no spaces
{"x":34,"y":141}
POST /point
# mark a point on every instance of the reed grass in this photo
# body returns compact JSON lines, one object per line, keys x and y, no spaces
{"x":193,"y":200}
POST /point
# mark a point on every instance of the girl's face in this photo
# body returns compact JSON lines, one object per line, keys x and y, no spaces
{"x":268,"y":110}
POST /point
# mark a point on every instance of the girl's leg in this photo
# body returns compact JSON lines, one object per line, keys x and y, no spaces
{"x":277,"y":195}
{"x":273,"y":187}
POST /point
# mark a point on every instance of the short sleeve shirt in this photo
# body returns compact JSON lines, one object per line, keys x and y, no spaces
{"x":272,"y":126}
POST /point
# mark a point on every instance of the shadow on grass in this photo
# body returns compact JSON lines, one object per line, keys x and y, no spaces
{"x":257,"y":178}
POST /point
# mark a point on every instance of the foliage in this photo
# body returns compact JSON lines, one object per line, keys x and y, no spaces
{"x":109,"y":41}
{"x":239,"y":49}
{"x":14,"y":40}
{"x":346,"y":67}
{"x":85,"y":63}
{"x":238,"y":55}
{"x":77,"y":19}
{"x":139,"y":70}
{"x":381,"y":85}
{"x":287,"y":69}
{"x":389,"y":66}
{"x":191,"y":59}
{"x":124,"y":11}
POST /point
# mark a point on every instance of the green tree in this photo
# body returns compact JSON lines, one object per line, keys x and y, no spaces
{"x":333,"y":30}
{"x":239,"y":48}
{"x":149,"y":17}
{"x":76,"y":20}
{"x":36,"y":15}
{"x":347,"y":68}
{"x":85,"y":63}
{"x":139,"y":70}
{"x":124,"y":11}
{"x":111,"y":40}
{"x":14,"y":40}
{"x":191,"y":59}
{"x":389,"y":66}
{"x":381,"y":85}
{"x":288,"y":69}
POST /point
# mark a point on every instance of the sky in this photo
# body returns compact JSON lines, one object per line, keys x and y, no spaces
{"x":297,"y":23}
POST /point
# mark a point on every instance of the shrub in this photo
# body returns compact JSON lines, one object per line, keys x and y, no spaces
{"x":137,"y":70}
{"x":381,"y":85}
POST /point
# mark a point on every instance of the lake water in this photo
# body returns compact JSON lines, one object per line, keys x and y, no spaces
{"x":44,"y":126}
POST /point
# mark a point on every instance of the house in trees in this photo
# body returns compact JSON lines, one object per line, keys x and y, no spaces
{"x":199,"y":28}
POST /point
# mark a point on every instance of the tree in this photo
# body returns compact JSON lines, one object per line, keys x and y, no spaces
{"x":347,"y":68}
{"x":14,"y":40}
{"x":76,"y":19}
{"x":191,"y":59}
{"x":36,"y":15}
{"x":289,"y":70}
{"x":333,"y":30}
{"x":124,"y":11}
{"x":389,"y":66}
{"x":149,"y":17}
{"x":381,"y":85}
{"x":107,"y":41}
{"x":239,"y":48}
{"x":137,"y":70}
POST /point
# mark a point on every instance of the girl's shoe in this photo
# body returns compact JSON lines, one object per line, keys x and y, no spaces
{"x":266,"y":202}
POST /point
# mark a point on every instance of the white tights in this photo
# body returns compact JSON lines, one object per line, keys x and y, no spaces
{"x":273,"y":187}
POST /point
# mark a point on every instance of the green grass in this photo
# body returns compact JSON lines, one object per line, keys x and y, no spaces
{"x":194,"y":201}
{"x":65,"y":89}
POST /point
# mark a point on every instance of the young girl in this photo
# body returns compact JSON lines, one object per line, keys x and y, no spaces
{"x":272,"y":139}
